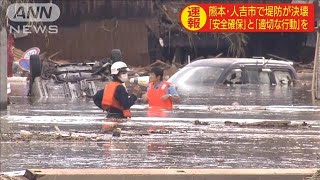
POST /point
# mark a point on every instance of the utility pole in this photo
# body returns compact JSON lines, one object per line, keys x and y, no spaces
{"x":3,"y":59}
{"x":3,"y":68}
{"x":316,"y":69}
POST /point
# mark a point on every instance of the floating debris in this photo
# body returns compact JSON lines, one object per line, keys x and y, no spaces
{"x":236,"y":107}
{"x":235,"y":104}
{"x":315,"y":176}
{"x":197,"y":122}
{"x":160,"y":131}
{"x":6,"y":177}
{"x":220,"y":160}
{"x":109,"y":126}
{"x":267,"y":124}
{"x":25,"y":134}
{"x":116,"y":132}
{"x":53,"y":136}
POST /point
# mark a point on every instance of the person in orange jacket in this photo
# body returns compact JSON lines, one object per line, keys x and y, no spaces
{"x":160,"y":94}
{"x":114,"y":98}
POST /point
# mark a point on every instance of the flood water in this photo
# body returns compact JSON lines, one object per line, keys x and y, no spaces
{"x":186,"y":146}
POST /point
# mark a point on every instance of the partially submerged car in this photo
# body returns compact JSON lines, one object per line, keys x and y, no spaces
{"x":249,"y":81}
{"x":227,"y":80}
{"x":50,"y":79}
{"x":208,"y":72}
{"x":69,"y":80}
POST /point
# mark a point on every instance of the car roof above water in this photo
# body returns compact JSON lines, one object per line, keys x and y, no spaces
{"x":226,"y":62}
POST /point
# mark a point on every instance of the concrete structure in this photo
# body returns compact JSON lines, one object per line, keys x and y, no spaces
{"x":316,"y":69}
{"x":316,"y":73}
{"x":171,"y":174}
{"x":3,"y":69}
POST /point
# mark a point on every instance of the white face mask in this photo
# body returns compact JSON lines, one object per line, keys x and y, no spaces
{"x":124,"y":77}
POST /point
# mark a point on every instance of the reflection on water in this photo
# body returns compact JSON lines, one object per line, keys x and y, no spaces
{"x":186,"y":146}
{"x":247,"y":95}
{"x":200,"y":150}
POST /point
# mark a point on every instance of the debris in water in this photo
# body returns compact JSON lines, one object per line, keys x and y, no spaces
{"x":230,"y":123}
{"x":25,"y":134}
{"x":108,"y":126}
{"x":99,"y":138}
{"x":60,"y":133}
{"x":57,"y":129}
{"x":267,"y":124}
{"x":7,"y":177}
{"x":52,"y":136}
{"x":116,"y":132}
{"x":315,"y":176}
{"x":235,"y":104}
{"x":220,"y":160}
{"x":236,"y":107}
{"x":197,"y":122}
{"x":160,"y":131}
{"x":304,"y":124}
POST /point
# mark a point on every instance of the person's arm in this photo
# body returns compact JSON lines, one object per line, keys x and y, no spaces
{"x":123,"y":97}
{"x":145,"y":96}
{"x":174,"y":98}
{"x":172,"y":94}
{"x":97,"y":98}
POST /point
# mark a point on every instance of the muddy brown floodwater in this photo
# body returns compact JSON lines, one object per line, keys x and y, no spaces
{"x":176,"y":142}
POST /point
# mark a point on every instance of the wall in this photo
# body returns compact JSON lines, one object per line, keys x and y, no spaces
{"x":94,"y":40}
{"x":170,"y":174}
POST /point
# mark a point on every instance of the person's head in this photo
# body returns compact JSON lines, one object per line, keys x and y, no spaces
{"x":119,"y":71}
{"x":156,"y":74}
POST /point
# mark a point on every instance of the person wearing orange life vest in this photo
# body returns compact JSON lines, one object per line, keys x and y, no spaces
{"x":114,"y":98}
{"x":160,"y":94}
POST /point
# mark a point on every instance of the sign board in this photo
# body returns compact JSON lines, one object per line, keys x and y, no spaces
{"x":30,"y":52}
{"x":24,"y":62}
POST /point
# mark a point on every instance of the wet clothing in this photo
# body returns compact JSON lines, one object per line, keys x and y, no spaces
{"x":109,"y":100}
{"x":121,"y":96}
{"x":171,"y":89}
{"x":154,"y":94}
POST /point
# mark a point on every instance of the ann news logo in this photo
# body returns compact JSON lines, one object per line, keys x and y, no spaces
{"x":33,"y":17}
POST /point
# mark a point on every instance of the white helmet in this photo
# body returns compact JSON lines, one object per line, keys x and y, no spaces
{"x":117,"y":66}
